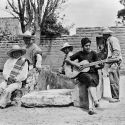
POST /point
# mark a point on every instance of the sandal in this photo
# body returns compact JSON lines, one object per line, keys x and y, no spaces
{"x":91,"y":112}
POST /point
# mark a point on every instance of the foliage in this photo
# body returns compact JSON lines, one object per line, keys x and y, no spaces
{"x":121,"y":13}
{"x":39,"y":14}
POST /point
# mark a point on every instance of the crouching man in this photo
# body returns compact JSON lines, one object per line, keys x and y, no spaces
{"x":14,"y":72}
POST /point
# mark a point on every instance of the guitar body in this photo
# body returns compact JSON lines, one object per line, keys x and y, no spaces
{"x":72,"y":72}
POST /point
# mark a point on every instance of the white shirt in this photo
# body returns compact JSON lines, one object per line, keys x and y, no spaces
{"x":114,"y":47}
{"x":8,"y":67}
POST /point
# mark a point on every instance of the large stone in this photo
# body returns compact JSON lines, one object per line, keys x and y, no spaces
{"x":53,"y":97}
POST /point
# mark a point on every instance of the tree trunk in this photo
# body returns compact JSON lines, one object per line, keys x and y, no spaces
{"x":37,"y":32}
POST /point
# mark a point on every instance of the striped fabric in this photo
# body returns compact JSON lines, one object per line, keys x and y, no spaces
{"x":17,"y":68}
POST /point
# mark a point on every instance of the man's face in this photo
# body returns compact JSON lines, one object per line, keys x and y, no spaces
{"x":86,"y":47}
{"x":105,"y":36}
{"x":27,"y":40}
{"x":66,"y":50}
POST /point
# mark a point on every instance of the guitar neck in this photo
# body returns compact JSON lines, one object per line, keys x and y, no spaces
{"x":93,"y":63}
{"x":99,"y":62}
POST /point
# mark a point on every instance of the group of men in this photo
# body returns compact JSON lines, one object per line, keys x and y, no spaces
{"x":91,"y":78}
{"x":22,"y":60}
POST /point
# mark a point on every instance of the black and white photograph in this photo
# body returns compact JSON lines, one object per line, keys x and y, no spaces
{"x":62,"y":62}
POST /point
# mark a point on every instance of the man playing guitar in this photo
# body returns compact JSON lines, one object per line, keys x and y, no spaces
{"x":91,"y":77}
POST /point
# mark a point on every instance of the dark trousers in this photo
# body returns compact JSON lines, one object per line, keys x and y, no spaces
{"x":114,"y":77}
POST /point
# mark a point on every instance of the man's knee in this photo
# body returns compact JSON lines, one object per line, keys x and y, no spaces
{"x":13,"y":87}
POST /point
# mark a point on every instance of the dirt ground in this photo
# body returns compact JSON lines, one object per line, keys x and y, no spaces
{"x":107,"y":114}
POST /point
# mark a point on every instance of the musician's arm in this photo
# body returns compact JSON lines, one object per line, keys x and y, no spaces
{"x":72,"y":63}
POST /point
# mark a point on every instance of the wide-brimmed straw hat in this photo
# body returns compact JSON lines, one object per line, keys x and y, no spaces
{"x":16,"y":48}
{"x":107,"y":31}
{"x":27,"y":34}
{"x":66,"y":45}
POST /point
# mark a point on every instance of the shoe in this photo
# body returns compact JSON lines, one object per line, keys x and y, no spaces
{"x":91,"y":112}
{"x":114,"y":100}
{"x":1,"y":107}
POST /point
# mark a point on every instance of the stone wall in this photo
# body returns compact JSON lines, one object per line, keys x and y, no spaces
{"x":55,"y":56}
{"x":9,"y":25}
{"x":51,"y":47}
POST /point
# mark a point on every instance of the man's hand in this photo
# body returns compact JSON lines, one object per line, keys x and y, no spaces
{"x":11,"y":80}
{"x":38,"y":69}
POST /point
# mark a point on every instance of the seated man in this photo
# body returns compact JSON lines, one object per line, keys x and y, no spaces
{"x":14,"y":72}
{"x":89,"y":78}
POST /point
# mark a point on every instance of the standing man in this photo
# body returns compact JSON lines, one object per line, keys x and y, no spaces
{"x":114,"y":52}
{"x":34,"y":56}
{"x":67,"y":50}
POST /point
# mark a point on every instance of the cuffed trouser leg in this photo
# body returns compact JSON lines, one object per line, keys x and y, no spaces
{"x":93,"y":93}
{"x":90,"y":100}
{"x":114,"y":77}
{"x":7,"y":94}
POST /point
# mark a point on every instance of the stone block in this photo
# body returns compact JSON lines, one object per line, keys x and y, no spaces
{"x":53,"y":97}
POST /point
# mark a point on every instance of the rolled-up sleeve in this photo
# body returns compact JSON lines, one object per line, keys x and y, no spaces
{"x":115,"y":46}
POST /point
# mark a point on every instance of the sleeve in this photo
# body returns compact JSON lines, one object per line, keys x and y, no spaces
{"x":75,"y":56}
{"x":115,"y":46}
{"x":5,"y":71}
{"x":36,"y":50}
{"x":38,"y":60}
{"x":24,"y":72}
{"x":37,"y":56}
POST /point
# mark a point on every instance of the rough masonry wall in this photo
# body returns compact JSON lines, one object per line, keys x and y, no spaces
{"x":55,"y":56}
{"x":51,"y":47}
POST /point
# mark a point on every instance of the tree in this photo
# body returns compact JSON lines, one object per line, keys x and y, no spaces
{"x":121,"y":13}
{"x":41,"y":15}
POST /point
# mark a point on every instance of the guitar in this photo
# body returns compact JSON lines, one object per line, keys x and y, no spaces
{"x":84,"y":66}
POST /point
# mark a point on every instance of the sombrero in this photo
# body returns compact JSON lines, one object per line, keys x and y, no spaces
{"x":107,"y":31}
{"x":16,"y":48}
{"x":27,"y":34}
{"x":66,"y":45}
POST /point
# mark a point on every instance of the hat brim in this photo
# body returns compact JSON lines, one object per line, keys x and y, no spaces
{"x":108,"y":32}
{"x":9,"y":53}
{"x":62,"y":49}
{"x":26,"y":36}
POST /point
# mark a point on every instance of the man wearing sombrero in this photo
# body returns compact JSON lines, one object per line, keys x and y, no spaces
{"x":114,"y":52}
{"x":67,"y":50}
{"x":14,"y":72}
{"x":34,"y":56}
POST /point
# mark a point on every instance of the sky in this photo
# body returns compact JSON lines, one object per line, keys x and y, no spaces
{"x":85,"y":13}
